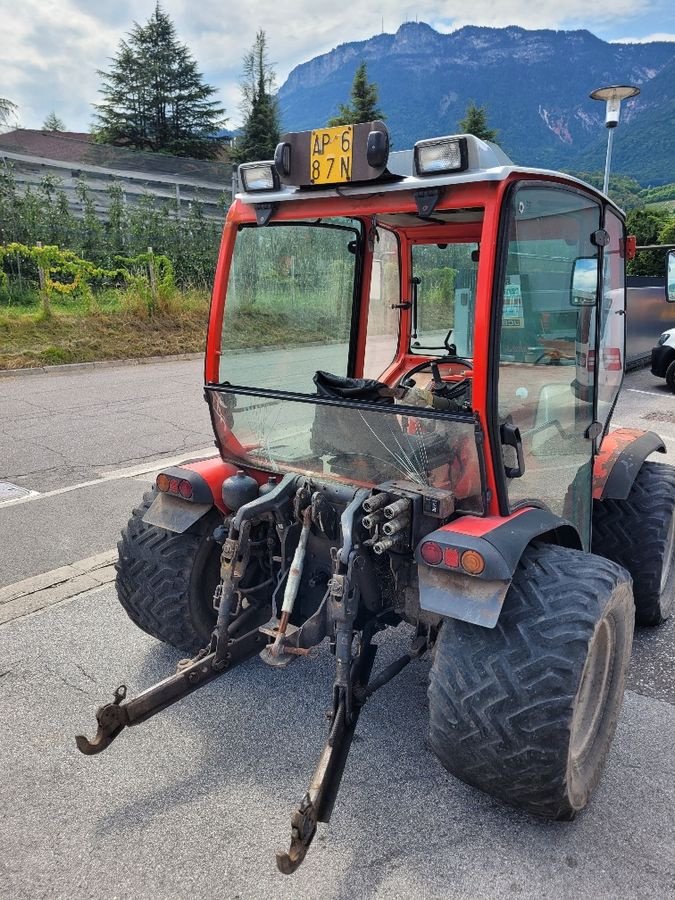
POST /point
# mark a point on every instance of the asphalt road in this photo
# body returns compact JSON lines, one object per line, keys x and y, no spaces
{"x":196,"y":800}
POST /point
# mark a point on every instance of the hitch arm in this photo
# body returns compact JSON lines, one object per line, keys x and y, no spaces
{"x":317,"y":804}
{"x":114,"y":717}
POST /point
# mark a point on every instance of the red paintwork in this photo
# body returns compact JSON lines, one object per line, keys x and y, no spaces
{"x":613,"y":444}
{"x":486,"y":195}
{"x":478,"y":527}
{"x":214,"y":471}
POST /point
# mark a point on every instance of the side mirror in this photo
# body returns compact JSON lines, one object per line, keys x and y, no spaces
{"x":670,"y":276}
{"x":584,"y":288}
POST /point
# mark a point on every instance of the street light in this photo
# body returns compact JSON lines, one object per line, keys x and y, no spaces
{"x":612,"y":95}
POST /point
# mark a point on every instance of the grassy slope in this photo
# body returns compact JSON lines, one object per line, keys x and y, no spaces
{"x":127,"y":331}
{"x":31,"y":341}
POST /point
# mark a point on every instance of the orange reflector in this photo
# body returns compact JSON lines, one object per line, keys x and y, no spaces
{"x":451,"y":557}
{"x":163,"y":483}
{"x":472,"y":562}
{"x":432,"y":553}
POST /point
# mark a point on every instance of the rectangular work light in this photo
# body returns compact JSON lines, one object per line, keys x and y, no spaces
{"x":258,"y":176}
{"x":441,"y":155}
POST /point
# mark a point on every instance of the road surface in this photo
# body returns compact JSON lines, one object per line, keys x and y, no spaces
{"x":196,"y":801}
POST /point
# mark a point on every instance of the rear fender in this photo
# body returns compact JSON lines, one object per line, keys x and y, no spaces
{"x":450,"y":591}
{"x":621,"y":455}
{"x":178,"y":514}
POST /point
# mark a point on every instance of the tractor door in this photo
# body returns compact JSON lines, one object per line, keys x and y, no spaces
{"x":546,"y":388}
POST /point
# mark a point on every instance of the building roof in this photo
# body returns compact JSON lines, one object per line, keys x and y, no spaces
{"x":78,"y":148}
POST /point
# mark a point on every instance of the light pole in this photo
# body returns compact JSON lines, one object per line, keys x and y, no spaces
{"x":612,"y":95}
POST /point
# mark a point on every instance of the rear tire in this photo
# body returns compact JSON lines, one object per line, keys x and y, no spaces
{"x":166,"y":581}
{"x":670,"y":376}
{"x":639,"y":534}
{"x":527,"y":711}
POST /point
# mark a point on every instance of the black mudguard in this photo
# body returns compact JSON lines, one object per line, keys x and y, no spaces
{"x":501,"y":542}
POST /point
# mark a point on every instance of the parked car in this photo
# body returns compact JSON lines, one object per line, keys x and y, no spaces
{"x":663,"y":358}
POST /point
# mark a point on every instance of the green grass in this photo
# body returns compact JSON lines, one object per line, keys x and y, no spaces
{"x":113,"y":325}
{"x":131,"y":325}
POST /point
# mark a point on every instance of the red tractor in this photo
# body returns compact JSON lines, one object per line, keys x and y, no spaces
{"x":411,"y":366}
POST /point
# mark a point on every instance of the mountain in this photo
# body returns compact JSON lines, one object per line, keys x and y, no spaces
{"x":534,"y":84}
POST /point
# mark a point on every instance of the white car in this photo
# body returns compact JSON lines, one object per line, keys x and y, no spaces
{"x":663,"y":358}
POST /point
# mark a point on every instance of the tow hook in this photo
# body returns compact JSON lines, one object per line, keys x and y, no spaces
{"x":111,"y":720}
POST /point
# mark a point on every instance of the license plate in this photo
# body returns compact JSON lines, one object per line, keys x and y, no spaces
{"x":330,"y":161}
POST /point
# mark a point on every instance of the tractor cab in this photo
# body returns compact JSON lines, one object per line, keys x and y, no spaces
{"x":468,"y":289}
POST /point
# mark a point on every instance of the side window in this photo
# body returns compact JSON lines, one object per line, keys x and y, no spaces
{"x":385,"y":292}
{"x":446,"y":289}
{"x":612,"y":319}
{"x":545,"y":391}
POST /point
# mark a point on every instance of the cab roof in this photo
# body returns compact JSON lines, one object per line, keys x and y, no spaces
{"x":486,"y":162}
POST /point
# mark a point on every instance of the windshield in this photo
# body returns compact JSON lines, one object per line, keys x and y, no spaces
{"x":285,"y":401}
{"x":444,"y":276}
{"x":289,"y":304}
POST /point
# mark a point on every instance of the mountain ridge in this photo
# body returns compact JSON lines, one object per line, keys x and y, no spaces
{"x":534,"y":84}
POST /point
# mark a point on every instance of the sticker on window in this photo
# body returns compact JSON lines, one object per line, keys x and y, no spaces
{"x":512,"y":315}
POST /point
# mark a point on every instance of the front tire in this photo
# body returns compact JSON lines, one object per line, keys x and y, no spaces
{"x":166,"y":581}
{"x":527,"y":711}
{"x":639,"y":534}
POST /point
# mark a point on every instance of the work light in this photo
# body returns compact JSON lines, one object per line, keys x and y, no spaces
{"x":258,"y":176}
{"x":441,"y":155}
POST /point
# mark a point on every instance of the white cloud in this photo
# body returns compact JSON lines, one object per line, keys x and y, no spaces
{"x":646,"y":39}
{"x":52,"y":48}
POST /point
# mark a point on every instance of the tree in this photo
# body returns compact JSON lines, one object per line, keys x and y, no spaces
{"x":647,"y":225}
{"x":154,"y":97}
{"x":667,"y":233}
{"x":7,"y":110}
{"x":259,"y":107}
{"x":363,"y":106}
{"x":624,"y":191}
{"x":475,"y":122}
{"x":53,"y":123}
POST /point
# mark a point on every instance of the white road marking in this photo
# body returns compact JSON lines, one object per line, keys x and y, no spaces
{"x":651,"y":393}
{"x":115,"y":475}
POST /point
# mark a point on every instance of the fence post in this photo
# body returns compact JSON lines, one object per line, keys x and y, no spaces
{"x":153,"y":278}
{"x":43,"y":284}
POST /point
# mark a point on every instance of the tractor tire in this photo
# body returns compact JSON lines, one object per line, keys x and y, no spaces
{"x":526,"y":711}
{"x":166,"y":581}
{"x":639,"y":534}
{"x":670,"y":376}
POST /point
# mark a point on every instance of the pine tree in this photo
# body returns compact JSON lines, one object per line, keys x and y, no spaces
{"x":260,"y":131}
{"x":53,"y":123}
{"x":363,"y":107}
{"x":7,"y":110}
{"x":475,"y":122}
{"x":154,"y":97}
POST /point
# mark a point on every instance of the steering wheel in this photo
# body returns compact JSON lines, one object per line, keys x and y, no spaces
{"x":405,"y":381}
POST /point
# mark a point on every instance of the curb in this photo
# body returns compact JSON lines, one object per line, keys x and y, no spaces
{"x":40,"y":591}
{"x":68,"y":368}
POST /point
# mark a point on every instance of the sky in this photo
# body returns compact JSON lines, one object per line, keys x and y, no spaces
{"x":50,"y":50}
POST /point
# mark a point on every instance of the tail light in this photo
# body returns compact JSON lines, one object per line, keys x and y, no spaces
{"x":435,"y":554}
{"x":178,"y":487}
{"x":611,"y":359}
